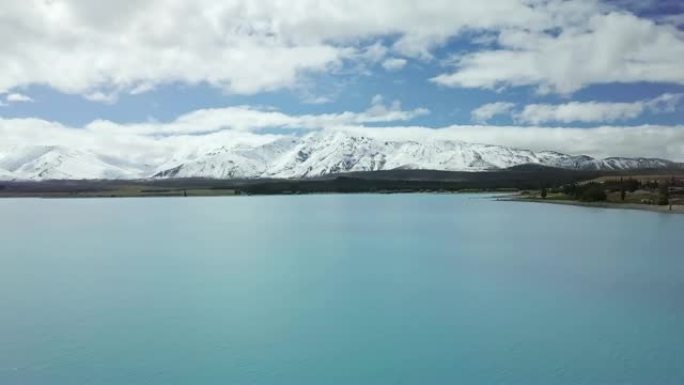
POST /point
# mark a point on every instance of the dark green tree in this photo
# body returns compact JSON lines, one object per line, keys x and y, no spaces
{"x":632,"y":185}
{"x":570,"y":189}
{"x":592,"y":192}
{"x":664,"y":194}
{"x":544,"y":193}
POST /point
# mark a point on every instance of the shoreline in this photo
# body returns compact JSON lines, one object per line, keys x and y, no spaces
{"x":489,"y":194}
{"x":508,"y":181}
{"x":502,"y":195}
{"x":676,"y":209}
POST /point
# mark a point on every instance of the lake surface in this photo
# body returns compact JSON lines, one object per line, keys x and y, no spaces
{"x":338,"y":289}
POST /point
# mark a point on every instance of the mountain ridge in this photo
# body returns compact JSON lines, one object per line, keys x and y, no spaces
{"x":316,"y":154}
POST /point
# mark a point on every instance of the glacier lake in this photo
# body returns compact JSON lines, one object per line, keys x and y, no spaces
{"x":338,"y":289}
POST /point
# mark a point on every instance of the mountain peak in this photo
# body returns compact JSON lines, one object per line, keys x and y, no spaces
{"x":314,"y":154}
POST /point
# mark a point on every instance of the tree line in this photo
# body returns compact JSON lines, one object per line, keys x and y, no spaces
{"x":597,"y":192}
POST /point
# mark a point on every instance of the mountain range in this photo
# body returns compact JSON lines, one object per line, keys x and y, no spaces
{"x":316,"y":154}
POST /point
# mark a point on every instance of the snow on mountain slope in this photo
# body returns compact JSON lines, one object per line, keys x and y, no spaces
{"x":239,"y":160}
{"x":583,"y":162}
{"x":616,"y":163}
{"x":53,"y":162}
{"x":5,"y":175}
{"x":315,"y":154}
{"x":325,"y":152}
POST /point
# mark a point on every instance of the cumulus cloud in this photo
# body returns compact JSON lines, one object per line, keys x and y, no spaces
{"x":153,"y":142}
{"x":613,"y":47}
{"x":246,"y":118}
{"x":18,"y":98}
{"x":596,"y":111}
{"x":204,"y":130}
{"x":579,"y":112}
{"x":394,"y":64}
{"x":100,"y":50}
{"x":665,"y":102}
{"x":487,"y":111}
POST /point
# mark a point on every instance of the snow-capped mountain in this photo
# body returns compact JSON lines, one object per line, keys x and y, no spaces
{"x":315,"y":154}
{"x":325,"y":153}
{"x":54,"y":162}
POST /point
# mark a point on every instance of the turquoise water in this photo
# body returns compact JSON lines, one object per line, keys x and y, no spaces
{"x":338,"y":289}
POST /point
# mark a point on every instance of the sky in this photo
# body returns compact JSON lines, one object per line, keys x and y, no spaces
{"x":132,"y":77}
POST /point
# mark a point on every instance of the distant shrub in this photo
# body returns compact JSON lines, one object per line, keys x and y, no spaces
{"x":651,"y":185}
{"x":664,"y":194}
{"x":569,"y":189}
{"x":592,"y":192}
{"x":628,"y":185}
{"x":632,"y":185}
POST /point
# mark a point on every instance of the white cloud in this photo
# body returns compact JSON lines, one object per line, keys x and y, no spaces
{"x":153,"y":142}
{"x":394,"y":64}
{"x":98,"y":50}
{"x":18,"y":98}
{"x":104,"y":97}
{"x":246,"y":118}
{"x":487,"y":111}
{"x":202,"y":130}
{"x":579,"y":112}
{"x":665,"y":103}
{"x":588,"y":112}
{"x":604,"y":48}
{"x":317,"y":99}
